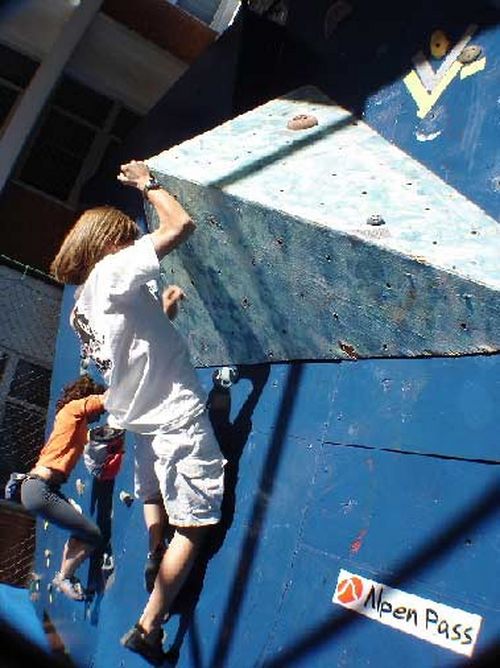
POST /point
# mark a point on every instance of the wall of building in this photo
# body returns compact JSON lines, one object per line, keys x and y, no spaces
{"x":114,"y":77}
{"x":110,"y":59}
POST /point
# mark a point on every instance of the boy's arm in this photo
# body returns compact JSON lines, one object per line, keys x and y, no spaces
{"x":170,"y":298}
{"x":175,"y":224}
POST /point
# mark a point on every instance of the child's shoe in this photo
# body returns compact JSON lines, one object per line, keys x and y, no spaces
{"x":149,"y":647}
{"x":70,"y":587}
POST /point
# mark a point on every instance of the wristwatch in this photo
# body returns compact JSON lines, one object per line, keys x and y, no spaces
{"x":151,"y":184}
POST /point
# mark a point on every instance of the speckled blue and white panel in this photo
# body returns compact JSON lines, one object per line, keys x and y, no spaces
{"x":286,"y":263}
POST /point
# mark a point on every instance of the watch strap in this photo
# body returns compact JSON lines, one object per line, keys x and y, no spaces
{"x":151,"y":184}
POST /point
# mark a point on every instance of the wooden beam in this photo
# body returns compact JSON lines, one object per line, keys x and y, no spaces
{"x":171,"y":28}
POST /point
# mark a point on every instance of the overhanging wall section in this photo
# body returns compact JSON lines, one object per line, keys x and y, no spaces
{"x":325,"y":243}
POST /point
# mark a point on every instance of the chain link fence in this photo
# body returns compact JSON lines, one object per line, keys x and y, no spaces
{"x":17,"y":544}
{"x":29,"y":315}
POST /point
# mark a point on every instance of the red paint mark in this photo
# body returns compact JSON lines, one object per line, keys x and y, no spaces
{"x":358,"y":542}
{"x":350,"y":590}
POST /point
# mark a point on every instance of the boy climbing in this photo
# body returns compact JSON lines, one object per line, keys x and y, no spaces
{"x":153,"y":389}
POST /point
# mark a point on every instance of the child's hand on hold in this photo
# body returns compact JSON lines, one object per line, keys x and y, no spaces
{"x":134,"y":173}
{"x":171,"y":297}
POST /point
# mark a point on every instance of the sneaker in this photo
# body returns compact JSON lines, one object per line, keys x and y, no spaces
{"x":151,"y":649}
{"x":70,"y":587}
{"x":152,"y":567}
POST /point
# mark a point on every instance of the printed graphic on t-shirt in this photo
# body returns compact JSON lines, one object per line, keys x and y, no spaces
{"x":92,"y":344}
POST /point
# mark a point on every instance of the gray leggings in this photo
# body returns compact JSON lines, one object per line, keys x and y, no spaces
{"x":46,"y":500}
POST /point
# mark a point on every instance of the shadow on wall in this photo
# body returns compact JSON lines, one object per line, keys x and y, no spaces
{"x":232,"y":438}
{"x":486,"y":506}
{"x":101,"y":560}
{"x":374,"y":44}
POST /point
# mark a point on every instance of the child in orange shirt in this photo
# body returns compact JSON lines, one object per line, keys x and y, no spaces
{"x":81,"y":402}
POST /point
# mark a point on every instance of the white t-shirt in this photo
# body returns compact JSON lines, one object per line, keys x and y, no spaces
{"x":120,"y":321}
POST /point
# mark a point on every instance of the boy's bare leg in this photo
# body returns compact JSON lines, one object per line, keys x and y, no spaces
{"x":156,"y":521}
{"x":174,"y":569}
{"x":74,"y":553}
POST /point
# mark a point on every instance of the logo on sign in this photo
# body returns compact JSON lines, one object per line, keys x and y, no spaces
{"x":434,"y":622}
{"x":350,"y":590}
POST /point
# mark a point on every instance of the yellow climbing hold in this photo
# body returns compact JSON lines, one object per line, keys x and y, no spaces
{"x":440,"y":44}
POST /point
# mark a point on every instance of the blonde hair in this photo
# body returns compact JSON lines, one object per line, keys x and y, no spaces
{"x":90,"y":239}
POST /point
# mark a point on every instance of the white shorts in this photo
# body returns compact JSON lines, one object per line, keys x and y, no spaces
{"x":186,"y":467}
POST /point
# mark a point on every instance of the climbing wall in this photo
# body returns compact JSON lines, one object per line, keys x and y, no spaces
{"x":377,"y":268}
{"x":341,"y":477}
{"x":348,"y":272}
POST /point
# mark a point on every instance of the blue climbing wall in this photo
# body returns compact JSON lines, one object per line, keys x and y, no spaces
{"x":325,"y":242}
{"x":387,"y":469}
{"x":362,"y":497}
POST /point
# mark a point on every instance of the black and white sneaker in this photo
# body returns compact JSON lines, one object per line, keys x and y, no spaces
{"x":149,"y":646}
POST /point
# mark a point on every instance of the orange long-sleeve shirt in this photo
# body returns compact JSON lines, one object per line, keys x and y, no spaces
{"x":69,"y":434}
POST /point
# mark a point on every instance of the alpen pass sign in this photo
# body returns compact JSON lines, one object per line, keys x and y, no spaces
{"x":439,"y":624}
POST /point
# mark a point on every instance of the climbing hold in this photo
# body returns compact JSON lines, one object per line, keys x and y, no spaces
{"x":226,"y":376}
{"x":469,"y":54}
{"x":440,"y":44}
{"x":34,"y":587}
{"x":75,"y":505}
{"x":108,"y":563}
{"x":302,"y":122}
{"x":45,"y":525}
{"x":375,"y":219}
{"x":126,"y":498}
{"x":47,"y":554}
{"x":80,"y":486}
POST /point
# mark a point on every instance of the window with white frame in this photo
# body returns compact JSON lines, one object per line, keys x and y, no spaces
{"x":76,"y":129}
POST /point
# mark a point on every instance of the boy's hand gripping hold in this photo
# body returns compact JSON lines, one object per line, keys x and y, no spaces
{"x":175,"y":224}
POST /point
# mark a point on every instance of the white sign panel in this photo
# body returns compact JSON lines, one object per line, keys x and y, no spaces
{"x":437,"y":623}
